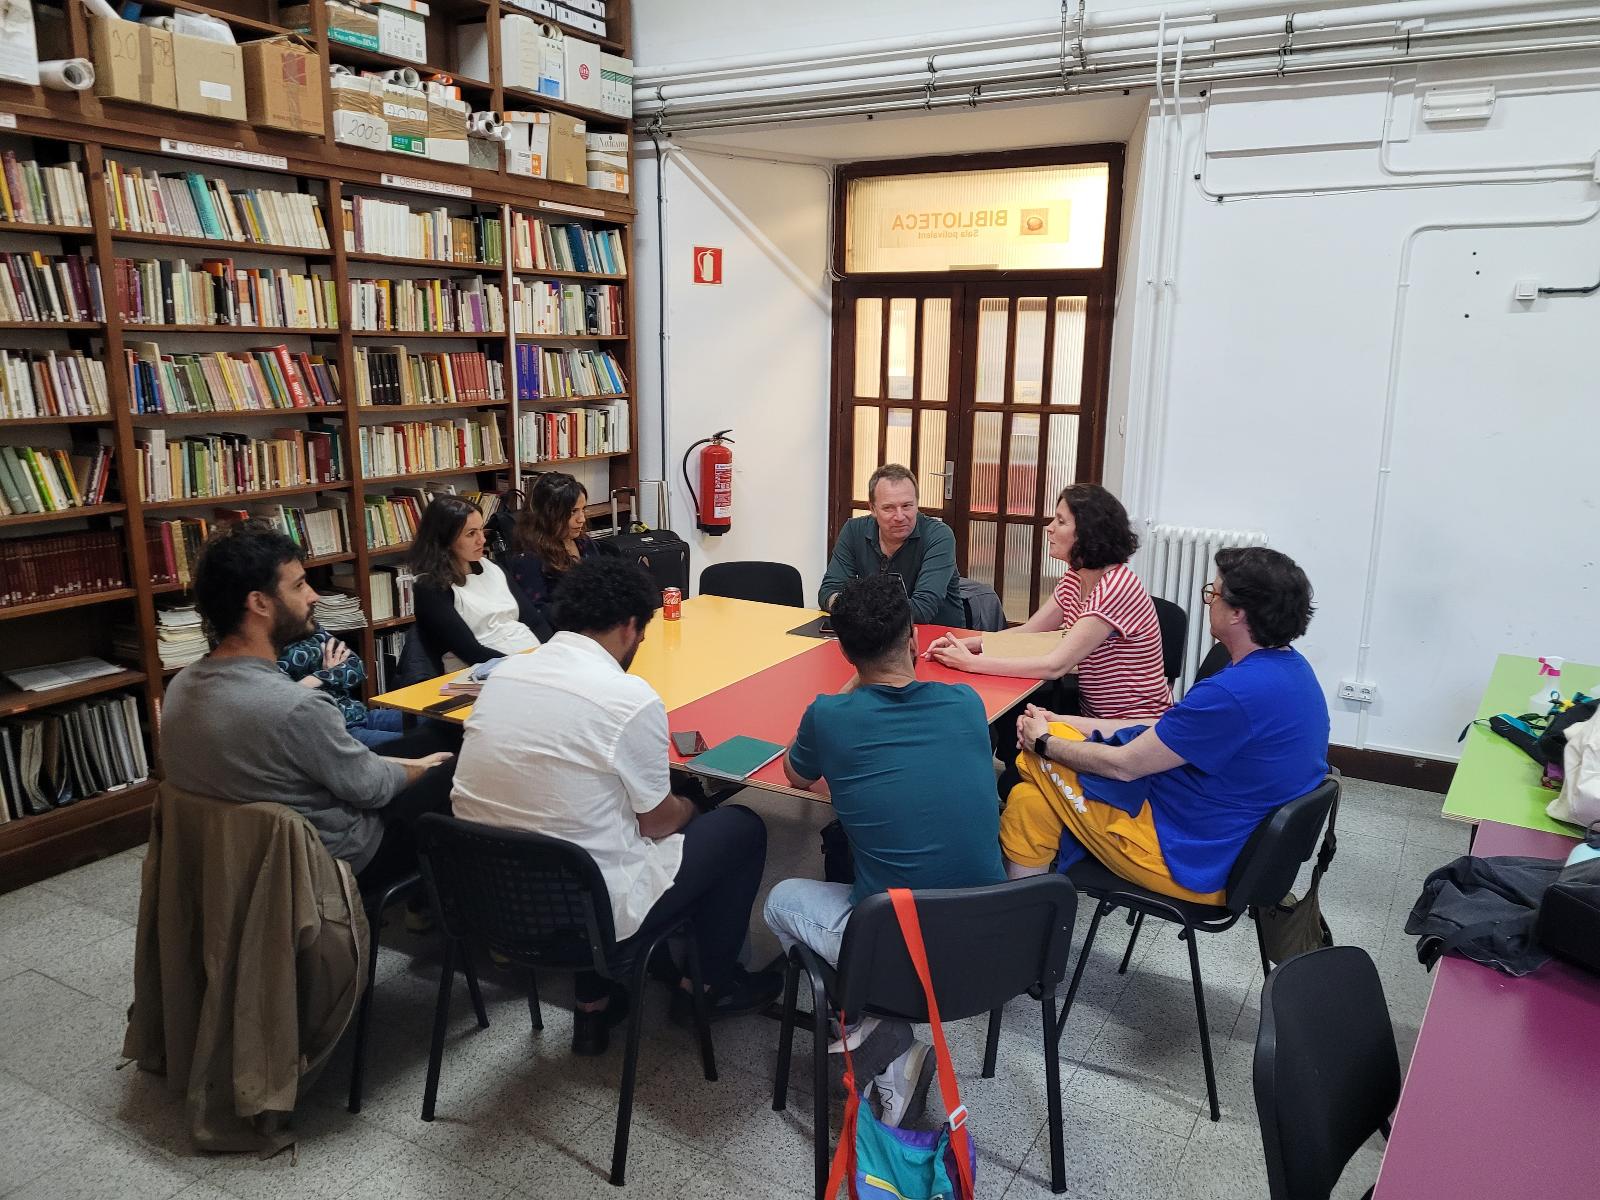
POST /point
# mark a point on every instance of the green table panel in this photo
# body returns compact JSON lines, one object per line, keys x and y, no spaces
{"x":1495,"y":781}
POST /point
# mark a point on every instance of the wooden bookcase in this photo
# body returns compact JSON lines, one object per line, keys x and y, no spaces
{"x":59,"y":126}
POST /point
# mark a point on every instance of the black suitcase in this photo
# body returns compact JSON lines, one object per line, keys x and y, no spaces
{"x":660,"y":551}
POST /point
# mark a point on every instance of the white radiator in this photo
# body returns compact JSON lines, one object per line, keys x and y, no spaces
{"x":1175,"y":562}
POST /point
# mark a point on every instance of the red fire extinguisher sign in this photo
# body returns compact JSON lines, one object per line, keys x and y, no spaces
{"x":708,"y":265}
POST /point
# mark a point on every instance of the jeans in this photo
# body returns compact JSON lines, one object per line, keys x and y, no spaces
{"x":382,"y":727}
{"x":724,"y":853}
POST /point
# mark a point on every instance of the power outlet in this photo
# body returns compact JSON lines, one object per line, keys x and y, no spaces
{"x":1361,"y":693}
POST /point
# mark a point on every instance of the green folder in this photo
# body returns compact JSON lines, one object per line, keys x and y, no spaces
{"x":737,"y":759}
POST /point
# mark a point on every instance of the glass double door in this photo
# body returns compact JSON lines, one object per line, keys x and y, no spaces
{"x":993,"y":394}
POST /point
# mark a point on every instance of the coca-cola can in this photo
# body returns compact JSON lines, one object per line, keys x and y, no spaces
{"x":671,"y":604}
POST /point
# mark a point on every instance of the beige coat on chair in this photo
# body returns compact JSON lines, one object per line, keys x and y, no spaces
{"x":249,"y":964}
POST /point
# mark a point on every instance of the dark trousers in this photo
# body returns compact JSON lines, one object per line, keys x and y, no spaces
{"x":724,"y":853}
{"x":397,"y":852}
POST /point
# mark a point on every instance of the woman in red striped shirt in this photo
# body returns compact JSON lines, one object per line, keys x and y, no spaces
{"x":1112,"y":638}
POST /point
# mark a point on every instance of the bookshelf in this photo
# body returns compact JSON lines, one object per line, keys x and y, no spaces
{"x":102,"y":139}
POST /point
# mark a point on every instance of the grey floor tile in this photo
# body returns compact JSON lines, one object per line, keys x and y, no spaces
{"x":53,"y":1051}
{"x":102,"y":969}
{"x":110,"y":884}
{"x":43,"y":1134}
{"x":1106,"y":1158}
{"x":415,"y":1174}
{"x":31,"y":999}
{"x":112,"y":1167}
{"x":335,"y":1153}
{"x":14,"y":1091}
{"x":62,"y":926}
{"x":10,"y":966}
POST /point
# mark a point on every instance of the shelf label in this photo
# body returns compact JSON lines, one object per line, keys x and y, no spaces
{"x":8,"y":120}
{"x":225,"y":154}
{"x":460,"y":190}
{"x":575,"y":209}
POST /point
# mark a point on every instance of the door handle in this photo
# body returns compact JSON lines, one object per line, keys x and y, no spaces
{"x":948,"y":475}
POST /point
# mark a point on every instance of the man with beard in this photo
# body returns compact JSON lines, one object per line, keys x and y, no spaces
{"x":564,"y":742}
{"x":236,"y":728}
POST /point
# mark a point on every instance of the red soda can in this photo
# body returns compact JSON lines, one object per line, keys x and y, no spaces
{"x":671,"y":604}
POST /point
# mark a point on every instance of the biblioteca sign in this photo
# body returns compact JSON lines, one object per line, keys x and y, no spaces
{"x":1022,"y":218}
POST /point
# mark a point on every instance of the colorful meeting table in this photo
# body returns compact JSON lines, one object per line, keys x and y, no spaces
{"x":728,"y":667}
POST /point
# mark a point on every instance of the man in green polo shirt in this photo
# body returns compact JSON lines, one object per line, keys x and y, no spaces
{"x":895,"y":539}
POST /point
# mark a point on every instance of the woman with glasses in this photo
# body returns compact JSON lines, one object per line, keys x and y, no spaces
{"x":1111,"y":638}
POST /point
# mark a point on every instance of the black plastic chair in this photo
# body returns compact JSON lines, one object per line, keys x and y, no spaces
{"x":543,"y":903}
{"x":1327,"y":1074}
{"x":377,"y":902}
{"x":1216,"y":658}
{"x":1174,"y":630}
{"x":1261,"y":877}
{"x":985,"y":946}
{"x":767,"y":582}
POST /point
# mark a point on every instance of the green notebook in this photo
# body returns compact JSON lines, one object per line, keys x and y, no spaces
{"x":737,"y":759}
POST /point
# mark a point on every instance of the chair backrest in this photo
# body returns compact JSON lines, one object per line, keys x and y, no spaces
{"x":1265,"y":869}
{"x":767,"y":582}
{"x":416,"y":664}
{"x":1216,"y":658}
{"x":1174,"y":630}
{"x":1327,"y":1074}
{"x":981,"y":604}
{"x":985,"y":945}
{"x":534,"y":898}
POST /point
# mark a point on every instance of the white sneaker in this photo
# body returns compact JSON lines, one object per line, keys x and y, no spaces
{"x":903,"y":1086}
{"x":854,"y":1035}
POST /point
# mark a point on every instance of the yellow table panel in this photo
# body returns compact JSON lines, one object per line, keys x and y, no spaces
{"x":717,"y":641}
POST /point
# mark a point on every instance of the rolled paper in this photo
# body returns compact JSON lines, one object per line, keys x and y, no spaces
{"x":67,"y":74}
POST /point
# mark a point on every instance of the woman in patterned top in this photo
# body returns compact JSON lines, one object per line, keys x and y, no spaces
{"x":1112,"y":638}
{"x":321,"y":660}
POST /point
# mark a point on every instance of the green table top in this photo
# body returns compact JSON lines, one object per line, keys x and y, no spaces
{"x":1495,"y":781}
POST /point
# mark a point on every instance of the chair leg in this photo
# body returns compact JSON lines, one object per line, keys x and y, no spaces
{"x":701,"y":1008}
{"x":991,"y":1046}
{"x":1133,"y":938}
{"x":358,"y":1068}
{"x":441,"y":1017}
{"x":1100,"y":910}
{"x":1052,"y":1088}
{"x":780,"y":1074}
{"x":1205,"y":1030}
{"x":1261,"y":941}
{"x":819,"y":1084}
{"x":630,"y":1074}
{"x":535,"y":1014}
{"x":471,"y":973}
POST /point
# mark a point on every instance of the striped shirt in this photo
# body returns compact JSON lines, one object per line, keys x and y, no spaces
{"x":1124,"y":676}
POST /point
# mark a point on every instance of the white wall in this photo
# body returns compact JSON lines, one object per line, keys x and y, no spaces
{"x":1286,"y":367}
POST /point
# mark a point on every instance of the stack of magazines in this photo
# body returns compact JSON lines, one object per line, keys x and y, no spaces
{"x":338,"y":610}
{"x":470,"y":682}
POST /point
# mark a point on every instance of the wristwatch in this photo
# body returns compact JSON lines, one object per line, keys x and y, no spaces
{"x":1040,"y":743}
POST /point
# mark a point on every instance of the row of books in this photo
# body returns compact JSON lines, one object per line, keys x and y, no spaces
{"x":469,"y":305}
{"x":189,"y":204}
{"x":391,"y":375}
{"x":51,"y":383}
{"x":392,"y":520}
{"x":159,"y":291}
{"x":40,"y":479}
{"x":542,"y":307}
{"x":33,"y":193}
{"x":406,"y":447}
{"x":555,"y":434}
{"x":57,"y":565}
{"x":544,"y":373}
{"x":49,"y":287}
{"x":386,"y":651}
{"x":71,"y":754}
{"x":266,"y":377}
{"x":560,"y":246}
{"x":392,"y":592}
{"x":173,"y":548}
{"x":373,"y":226}
{"x":214,"y":465}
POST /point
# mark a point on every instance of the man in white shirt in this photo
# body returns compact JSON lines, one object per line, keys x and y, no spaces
{"x":566,"y":743}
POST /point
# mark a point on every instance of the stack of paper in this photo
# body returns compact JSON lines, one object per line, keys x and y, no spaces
{"x":62,"y":674}
{"x":338,"y":610}
{"x":470,"y":682}
{"x":180,"y":639}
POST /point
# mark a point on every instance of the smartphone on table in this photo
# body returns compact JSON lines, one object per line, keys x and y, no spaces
{"x":689,"y":743}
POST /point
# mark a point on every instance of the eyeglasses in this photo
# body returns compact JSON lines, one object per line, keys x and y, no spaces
{"x":1209,"y":593}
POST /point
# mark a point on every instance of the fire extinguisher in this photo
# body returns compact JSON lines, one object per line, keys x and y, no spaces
{"x":713,"y":506}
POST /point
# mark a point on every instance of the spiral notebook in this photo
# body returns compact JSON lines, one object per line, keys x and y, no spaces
{"x":736,"y":759}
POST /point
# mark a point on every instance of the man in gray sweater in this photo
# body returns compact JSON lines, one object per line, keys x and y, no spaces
{"x":237,"y":728}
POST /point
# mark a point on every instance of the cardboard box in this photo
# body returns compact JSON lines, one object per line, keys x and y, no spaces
{"x":402,"y":30}
{"x":528,"y":151}
{"x":406,"y":111}
{"x":595,"y":8}
{"x":132,"y":62}
{"x":358,"y":112}
{"x":19,"y":43}
{"x":607,"y":143}
{"x":348,"y":24}
{"x":581,"y":73}
{"x":607,"y":162}
{"x":447,"y":130}
{"x":210,"y":78}
{"x":532,"y":57}
{"x":283,"y":83}
{"x":608,"y":181}
{"x":567,"y":150}
{"x":578,"y":20}
{"x":616,"y":85}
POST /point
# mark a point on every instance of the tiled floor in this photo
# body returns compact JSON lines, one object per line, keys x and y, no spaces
{"x":519,"y":1117}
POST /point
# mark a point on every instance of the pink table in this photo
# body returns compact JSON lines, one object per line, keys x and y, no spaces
{"x":1504,"y":1086}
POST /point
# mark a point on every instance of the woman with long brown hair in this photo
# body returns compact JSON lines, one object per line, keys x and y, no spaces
{"x":550,"y":535}
{"x":468,"y":611}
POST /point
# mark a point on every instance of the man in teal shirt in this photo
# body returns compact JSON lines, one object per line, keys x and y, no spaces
{"x":908,"y":767}
{"x":898,"y":540}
